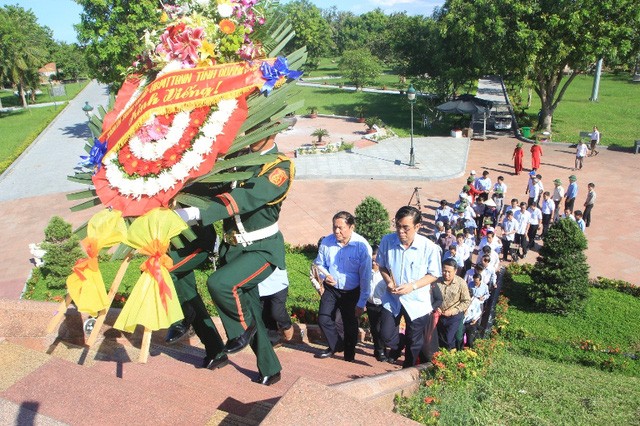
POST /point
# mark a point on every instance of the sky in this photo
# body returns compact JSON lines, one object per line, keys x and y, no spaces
{"x":61,"y":15}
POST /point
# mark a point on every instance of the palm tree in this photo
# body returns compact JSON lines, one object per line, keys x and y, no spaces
{"x":319,"y":133}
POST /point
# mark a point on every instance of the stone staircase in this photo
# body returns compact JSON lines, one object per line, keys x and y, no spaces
{"x":55,"y":379}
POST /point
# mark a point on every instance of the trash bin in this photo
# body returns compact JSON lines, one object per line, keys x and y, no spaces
{"x":526,"y":132}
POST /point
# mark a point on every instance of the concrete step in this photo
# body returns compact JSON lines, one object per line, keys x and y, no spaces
{"x":58,"y":372}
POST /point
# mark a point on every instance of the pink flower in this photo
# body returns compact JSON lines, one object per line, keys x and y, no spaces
{"x":181,"y":42}
{"x":152,"y":132}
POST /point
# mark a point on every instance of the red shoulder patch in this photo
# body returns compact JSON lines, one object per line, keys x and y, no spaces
{"x":278,"y":177}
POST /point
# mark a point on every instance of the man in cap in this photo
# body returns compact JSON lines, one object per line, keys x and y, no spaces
{"x":558,"y":194}
{"x":499,"y":192}
{"x":571,"y":194}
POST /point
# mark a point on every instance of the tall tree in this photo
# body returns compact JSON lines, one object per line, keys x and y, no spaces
{"x":111,"y":31}
{"x":312,"y":30}
{"x":24,"y":48}
{"x":360,"y":67}
{"x":548,"y":42}
{"x":70,"y":60}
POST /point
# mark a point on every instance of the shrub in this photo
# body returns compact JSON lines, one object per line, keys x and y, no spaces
{"x":561,"y":274}
{"x":372,"y":220}
{"x":63,"y":250}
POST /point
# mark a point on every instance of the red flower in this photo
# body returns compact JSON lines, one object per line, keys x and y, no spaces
{"x":429,"y":400}
{"x":435,"y":413}
{"x":461,"y":365}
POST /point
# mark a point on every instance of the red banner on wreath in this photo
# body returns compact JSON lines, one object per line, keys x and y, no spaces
{"x":183,"y":89}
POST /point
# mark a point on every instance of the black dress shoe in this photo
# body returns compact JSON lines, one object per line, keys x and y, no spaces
{"x":268,"y":380}
{"x":380,"y":356}
{"x":176,"y":332}
{"x":239,"y":343}
{"x":215,"y":363}
{"x":327,"y":353}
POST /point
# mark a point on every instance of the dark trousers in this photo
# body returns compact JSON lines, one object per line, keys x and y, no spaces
{"x":375,"y":312}
{"x":506,"y":246}
{"x":531,"y":234}
{"x":447,"y":329}
{"x":345,"y":301}
{"x":546,"y":221}
{"x":587,"y":214}
{"x":414,"y":335}
{"x":196,"y":314}
{"x":522,"y":240}
{"x":274,"y":310}
{"x":471,"y":331}
{"x":234,"y":290}
{"x":568,"y":204}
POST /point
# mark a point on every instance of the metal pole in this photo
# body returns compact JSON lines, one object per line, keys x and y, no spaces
{"x":412,"y":157}
{"x":596,"y":81}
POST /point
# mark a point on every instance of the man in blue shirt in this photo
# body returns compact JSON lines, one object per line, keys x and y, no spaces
{"x":409,"y":264}
{"x":572,"y":193}
{"x":344,"y":267}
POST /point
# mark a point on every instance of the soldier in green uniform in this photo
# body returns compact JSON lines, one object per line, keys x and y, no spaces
{"x":253,"y":247}
{"x":186,"y":259}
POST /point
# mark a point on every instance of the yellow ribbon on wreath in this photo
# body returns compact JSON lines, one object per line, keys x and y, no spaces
{"x":85,"y":284}
{"x":153,"y":302}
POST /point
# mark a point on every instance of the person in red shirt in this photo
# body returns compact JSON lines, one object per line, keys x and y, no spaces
{"x":536,"y":153}
{"x":518,"y":155}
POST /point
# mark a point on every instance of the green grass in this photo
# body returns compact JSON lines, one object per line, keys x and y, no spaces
{"x":615,"y":113}
{"x":607,"y":322}
{"x":72,"y":89}
{"x":520,"y":390}
{"x":393,"y":109}
{"x":21,"y":127}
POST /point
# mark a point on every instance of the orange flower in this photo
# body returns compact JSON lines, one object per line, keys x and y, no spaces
{"x":227,"y":26}
{"x":429,"y":400}
{"x":435,"y":413}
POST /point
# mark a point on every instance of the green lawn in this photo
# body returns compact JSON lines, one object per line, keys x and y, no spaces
{"x":19,"y":128}
{"x":520,"y":390}
{"x":71,"y":89}
{"x":616,"y":113}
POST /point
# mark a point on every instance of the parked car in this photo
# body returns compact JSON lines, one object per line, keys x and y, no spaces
{"x":502,"y":122}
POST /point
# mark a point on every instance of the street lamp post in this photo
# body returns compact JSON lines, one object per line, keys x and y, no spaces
{"x":411,"y":96}
{"x":87,"y":109}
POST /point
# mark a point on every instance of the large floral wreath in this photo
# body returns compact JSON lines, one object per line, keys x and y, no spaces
{"x":183,"y":104}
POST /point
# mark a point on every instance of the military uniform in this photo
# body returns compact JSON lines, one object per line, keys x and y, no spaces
{"x":185,"y":260}
{"x":251,"y":254}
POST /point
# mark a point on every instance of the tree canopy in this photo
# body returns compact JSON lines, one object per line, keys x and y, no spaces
{"x":112,"y":31}
{"x":545,"y":42}
{"x":24,"y":48}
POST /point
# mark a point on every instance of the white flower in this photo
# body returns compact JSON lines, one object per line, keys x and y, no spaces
{"x":166,"y":180}
{"x":151,"y":187}
{"x":225,"y":9}
{"x":173,"y":65}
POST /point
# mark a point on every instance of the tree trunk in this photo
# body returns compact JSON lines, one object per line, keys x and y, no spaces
{"x":22,"y":95}
{"x":544,"y":119}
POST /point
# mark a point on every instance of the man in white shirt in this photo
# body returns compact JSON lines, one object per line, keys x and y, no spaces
{"x":499,"y":194}
{"x":547,"y":209}
{"x":409,"y":264}
{"x":509,"y":226}
{"x":484,"y":183}
{"x":522,"y":216}
{"x":595,"y":140}
{"x":558,"y":195}
{"x":581,"y":152}
{"x":535,"y":219}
